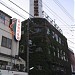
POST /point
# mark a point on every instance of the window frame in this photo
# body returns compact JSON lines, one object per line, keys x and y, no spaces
{"x":6,"y":42}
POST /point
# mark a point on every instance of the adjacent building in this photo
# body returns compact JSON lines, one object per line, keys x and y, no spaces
{"x":72,"y":61}
{"x":8,"y":45}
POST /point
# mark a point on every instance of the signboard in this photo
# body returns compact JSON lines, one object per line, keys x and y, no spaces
{"x":15,"y":28}
{"x":18,"y":30}
{"x":36,"y":7}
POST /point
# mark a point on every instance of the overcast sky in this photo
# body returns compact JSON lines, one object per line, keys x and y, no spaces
{"x":53,"y":10}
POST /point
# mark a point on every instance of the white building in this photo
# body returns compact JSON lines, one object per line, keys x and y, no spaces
{"x":36,"y":8}
{"x":8,"y":45}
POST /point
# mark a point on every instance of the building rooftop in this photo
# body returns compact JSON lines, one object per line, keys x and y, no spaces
{"x":5,"y":13}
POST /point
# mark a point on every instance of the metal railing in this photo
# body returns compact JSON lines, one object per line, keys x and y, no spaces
{"x":52,"y":22}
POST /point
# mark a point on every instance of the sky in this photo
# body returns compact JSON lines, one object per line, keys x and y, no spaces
{"x":53,"y":9}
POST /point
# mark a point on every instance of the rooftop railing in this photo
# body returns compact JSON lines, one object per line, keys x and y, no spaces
{"x":52,"y":22}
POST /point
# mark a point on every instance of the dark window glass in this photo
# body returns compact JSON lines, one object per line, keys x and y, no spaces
{"x":35,"y":8}
{"x":9,"y":43}
{"x":37,"y":30}
{"x":35,"y":12}
{"x":6,"y":42}
{"x":36,"y":5}
{"x":2,"y":18}
{"x":35,"y":1}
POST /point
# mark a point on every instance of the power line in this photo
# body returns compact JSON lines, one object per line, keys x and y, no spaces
{"x":71,"y":41}
{"x":1,"y":2}
{"x":21,"y":8}
{"x":63,"y":9}
{"x":55,"y":14}
{"x":59,"y":17}
{"x":30,"y":14}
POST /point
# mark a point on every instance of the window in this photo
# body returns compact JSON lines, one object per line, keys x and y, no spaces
{"x":35,"y":8}
{"x":64,"y":55}
{"x":58,"y":53}
{"x":54,"y":53}
{"x":49,"y":51}
{"x":56,"y":37}
{"x":21,"y":48}
{"x":59,"y":40}
{"x":22,"y":32}
{"x":36,"y":12}
{"x":3,"y":41}
{"x":9,"y":42}
{"x":52,"y":34}
{"x":37,"y":30}
{"x":35,"y":1}
{"x":2,"y":18}
{"x":36,"y":5}
{"x":6,"y":42}
{"x":48,"y":31}
{"x":39,"y":67}
{"x":39,"y":49}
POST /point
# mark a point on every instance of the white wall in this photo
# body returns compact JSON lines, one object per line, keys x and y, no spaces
{"x":5,"y":31}
{"x":7,"y":72}
{"x":31,"y":8}
{"x":40,"y":8}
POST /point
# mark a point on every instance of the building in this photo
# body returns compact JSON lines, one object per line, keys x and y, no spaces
{"x":43,"y":45}
{"x":8,"y":45}
{"x":48,"y":49}
{"x":72,"y":60}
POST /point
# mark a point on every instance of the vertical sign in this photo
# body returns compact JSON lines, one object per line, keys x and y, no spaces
{"x":36,"y":8}
{"x":18,"y":30}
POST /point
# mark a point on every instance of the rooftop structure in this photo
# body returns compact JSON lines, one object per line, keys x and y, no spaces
{"x":36,"y":8}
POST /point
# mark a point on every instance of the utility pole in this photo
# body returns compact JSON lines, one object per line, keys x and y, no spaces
{"x":28,"y":46}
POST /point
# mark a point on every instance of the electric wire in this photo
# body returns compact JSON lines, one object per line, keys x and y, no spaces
{"x":11,"y":9}
{"x":32,"y":15}
{"x":55,"y":14}
{"x":29,"y":13}
{"x":63,"y":9}
{"x":60,"y":18}
{"x":70,"y":30}
{"x":20,"y":8}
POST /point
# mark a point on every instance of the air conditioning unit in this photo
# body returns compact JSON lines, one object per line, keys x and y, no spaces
{"x":8,"y":67}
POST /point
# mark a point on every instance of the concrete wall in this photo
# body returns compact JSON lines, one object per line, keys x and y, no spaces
{"x":5,"y":31}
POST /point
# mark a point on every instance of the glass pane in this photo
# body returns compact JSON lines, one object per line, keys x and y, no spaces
{"x":4,"y":41}
{"x":9,"y":43}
